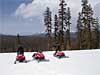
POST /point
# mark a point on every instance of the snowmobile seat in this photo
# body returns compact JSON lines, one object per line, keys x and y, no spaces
{"x":20,"y":57}
{"x":38,"y":55}
{"x":59,"y":54}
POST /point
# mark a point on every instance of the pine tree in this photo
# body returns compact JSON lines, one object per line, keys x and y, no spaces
{"x":18,"y":41}
{"x":87,"y":14}
{"x":67,"y":28}
{"x":56,"y":29}
{"x":87,"y":28}
{"x":62,"y":12}
{"x":96,"y":35}
{"x":79,"y":31}
{"x":48,"y":24}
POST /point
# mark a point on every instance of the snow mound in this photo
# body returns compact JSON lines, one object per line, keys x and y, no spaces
{"x":79,"y":63}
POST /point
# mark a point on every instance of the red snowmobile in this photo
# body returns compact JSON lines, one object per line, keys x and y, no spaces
{"x":20,"y":58}
{"x":39,"y":56}
{"x":59,"y":54}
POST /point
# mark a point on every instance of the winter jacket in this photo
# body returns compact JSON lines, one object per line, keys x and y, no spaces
{"x":20,"y":50}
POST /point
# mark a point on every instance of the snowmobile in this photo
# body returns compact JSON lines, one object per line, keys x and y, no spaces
{"x":20,"y":58}
{"x":59,"y":54}
{"x":39,"y":56}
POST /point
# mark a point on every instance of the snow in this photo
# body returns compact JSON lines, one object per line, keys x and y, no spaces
{"x":85,"y":62}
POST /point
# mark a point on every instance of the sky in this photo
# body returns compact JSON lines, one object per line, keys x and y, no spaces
{"x":26,"y":16}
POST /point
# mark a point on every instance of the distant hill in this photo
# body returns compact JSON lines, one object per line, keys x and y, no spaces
{"x":72,"y":34}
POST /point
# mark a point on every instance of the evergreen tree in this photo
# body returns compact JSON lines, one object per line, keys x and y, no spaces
{"x":62,"y":12}
{"x":56,"y":29}
{"x":86,"y":24}
{"x":95,"y":34}
{"x":67,"y":28}
{"x":18,"y":41}
{"x":87,"y":27}
{"x":87,"y":18}
{"x":79,"y":31}
{"x":48,"y":24}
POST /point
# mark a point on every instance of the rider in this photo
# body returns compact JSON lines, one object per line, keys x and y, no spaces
{"x":40,"y":51}
{"x":20,"y":50}
{"x":57,"y":48}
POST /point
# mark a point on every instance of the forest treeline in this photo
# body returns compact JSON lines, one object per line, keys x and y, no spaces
{"x":30,"y":43}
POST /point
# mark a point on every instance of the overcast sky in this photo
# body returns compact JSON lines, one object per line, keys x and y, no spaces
{"x":26,"y":16}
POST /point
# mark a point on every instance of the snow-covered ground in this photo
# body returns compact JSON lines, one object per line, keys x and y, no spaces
{"x":79,"y":63}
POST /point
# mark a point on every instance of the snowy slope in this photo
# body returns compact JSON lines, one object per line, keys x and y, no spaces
{"x":80,"y":63}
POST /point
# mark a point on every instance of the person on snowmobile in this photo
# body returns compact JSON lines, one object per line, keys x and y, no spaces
{"x":20,"y":50}
{"x":39,"y":55}
{"x":58,"y":52}
{"x":40,"y":51}
{"x":57,"y":47}
{"x":20,"y":55}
